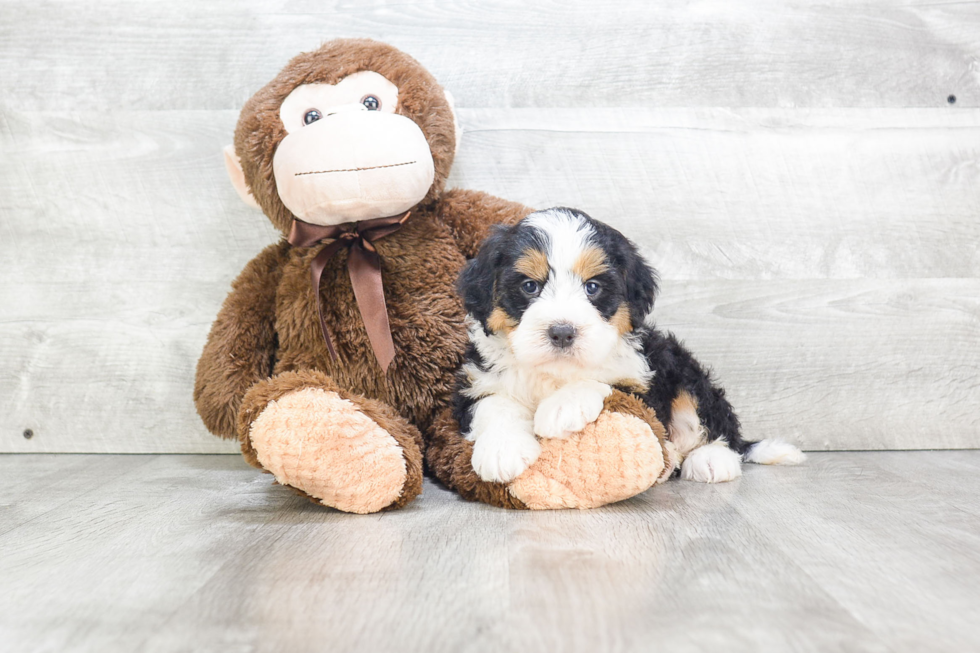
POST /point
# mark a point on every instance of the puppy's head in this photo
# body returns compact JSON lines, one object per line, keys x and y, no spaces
{"x":561,"y":288}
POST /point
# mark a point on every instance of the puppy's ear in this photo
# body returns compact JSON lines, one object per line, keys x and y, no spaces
{"x":642,"y":287}
{"x":478,"y":278}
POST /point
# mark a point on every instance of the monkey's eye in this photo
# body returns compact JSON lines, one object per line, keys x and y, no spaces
{"x":592,"y":288}
{"x":530,"y":287}
{"x":372,"y":103}
{"x":312,"y":116}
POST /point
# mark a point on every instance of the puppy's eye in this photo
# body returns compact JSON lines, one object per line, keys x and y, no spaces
{"x":372,"y":103}
{"x":530,"y":287}
{"x":592,"y":288}
{"x":312,"y":116}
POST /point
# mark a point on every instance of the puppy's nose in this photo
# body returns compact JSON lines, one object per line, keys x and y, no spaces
{"x":562,"y":335}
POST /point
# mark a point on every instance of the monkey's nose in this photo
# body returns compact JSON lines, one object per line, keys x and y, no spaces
{"x":562,"y":335}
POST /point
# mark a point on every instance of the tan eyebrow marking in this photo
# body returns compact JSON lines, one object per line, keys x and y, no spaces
{"x":590,"y":263}
{"x":533,"y":264}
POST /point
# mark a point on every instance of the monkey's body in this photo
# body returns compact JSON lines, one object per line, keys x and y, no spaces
{"x":343,"y":431}
{"x":419,"y":266}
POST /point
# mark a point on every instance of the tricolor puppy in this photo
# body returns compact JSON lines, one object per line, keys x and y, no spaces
{"x":559,"y":308}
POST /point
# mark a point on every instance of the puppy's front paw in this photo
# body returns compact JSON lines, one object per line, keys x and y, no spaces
{"x":570,"y":409}
{"x":500,"y":457}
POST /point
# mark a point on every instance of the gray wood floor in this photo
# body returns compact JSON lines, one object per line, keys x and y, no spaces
{"x":851,"y":552}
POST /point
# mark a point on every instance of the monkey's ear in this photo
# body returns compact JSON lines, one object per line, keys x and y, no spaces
{"x":237,"y":176}
{"x":456,"y":127}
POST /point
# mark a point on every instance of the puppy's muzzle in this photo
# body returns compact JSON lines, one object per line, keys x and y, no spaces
{"x":562,"y":335}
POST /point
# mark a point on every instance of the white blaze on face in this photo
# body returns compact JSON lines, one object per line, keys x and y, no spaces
{"x":350,"y":163}
{"x":563,"y":300}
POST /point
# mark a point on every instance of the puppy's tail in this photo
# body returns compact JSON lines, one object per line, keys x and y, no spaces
{"x":773,"y":452}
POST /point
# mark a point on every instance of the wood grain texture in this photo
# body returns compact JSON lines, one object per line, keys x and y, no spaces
{"x":754,"y":193}
{"x":824,"y":262}
{"x":840,"y":364}
{"x":120,"y":235}
{"x":88,"y":55}
{"x":851,"y":552}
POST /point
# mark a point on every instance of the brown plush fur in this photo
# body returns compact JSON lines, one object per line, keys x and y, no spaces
{"x":458,"y":208}
{"x":241,"y":346}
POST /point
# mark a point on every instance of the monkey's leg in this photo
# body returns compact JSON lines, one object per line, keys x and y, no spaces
{"x":621,"y":454}
{"x":338,"y":448}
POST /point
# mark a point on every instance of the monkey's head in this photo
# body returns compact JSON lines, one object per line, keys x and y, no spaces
{"x":352,"y":131}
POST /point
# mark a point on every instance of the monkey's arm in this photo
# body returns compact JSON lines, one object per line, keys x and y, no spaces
{"x":242,"y":344}
{"x":471,"y":214}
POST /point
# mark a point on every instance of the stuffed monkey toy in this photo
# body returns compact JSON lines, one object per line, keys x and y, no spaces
{"x":337,"y":346}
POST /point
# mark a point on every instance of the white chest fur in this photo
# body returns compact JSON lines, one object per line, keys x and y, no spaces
{"x":516,"y":402}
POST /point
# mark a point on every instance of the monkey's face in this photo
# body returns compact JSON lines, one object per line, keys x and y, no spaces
{"x":347,"y":155}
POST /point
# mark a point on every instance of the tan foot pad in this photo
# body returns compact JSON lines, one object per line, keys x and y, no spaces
{"x":615,"y":458}
{"x":317,"y":442}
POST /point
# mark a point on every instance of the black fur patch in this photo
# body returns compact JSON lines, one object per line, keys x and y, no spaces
{"x":462,"y":405}
{"x":490,"y":281}
{"x":676,"y":370}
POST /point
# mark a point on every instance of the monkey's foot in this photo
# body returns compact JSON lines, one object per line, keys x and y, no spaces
{"x":328,"y":448}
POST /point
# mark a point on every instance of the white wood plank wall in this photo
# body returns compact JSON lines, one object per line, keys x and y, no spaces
{"x":796,"y":171}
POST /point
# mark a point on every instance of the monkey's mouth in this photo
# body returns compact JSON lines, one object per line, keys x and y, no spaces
{"x":324,"y":172}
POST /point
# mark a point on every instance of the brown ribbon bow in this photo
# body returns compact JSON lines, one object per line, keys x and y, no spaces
{"x":364,"y":268}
